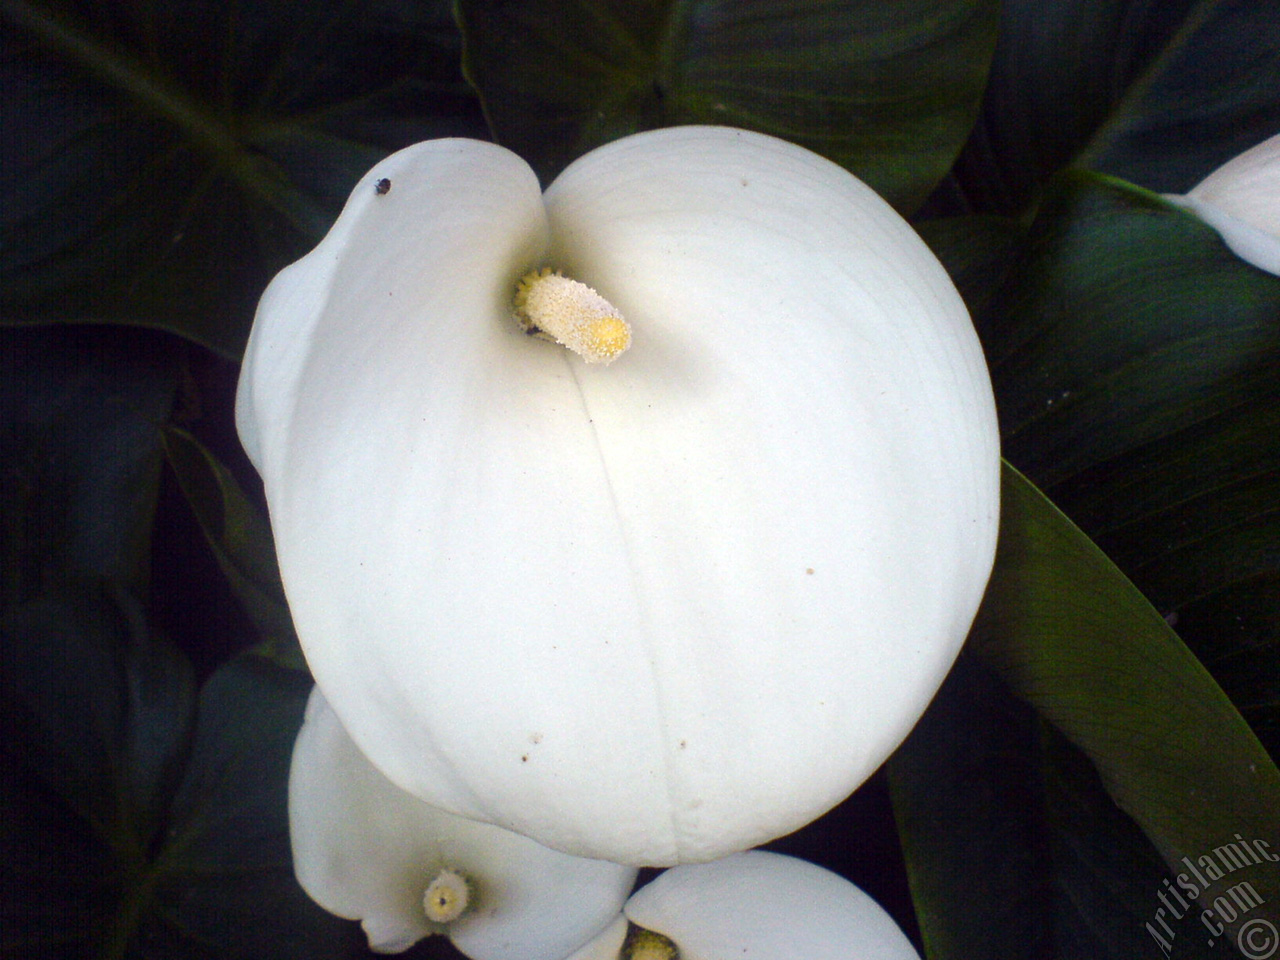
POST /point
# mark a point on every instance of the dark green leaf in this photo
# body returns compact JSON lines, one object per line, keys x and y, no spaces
{"x":1108,"y":878}
{"x":80,"y":453}
{"x":1212,"y":94}
{"x":163,"y":160}
{"x":1134,"y":360}
{"x":978,"y":252}
{"x":886,"y":89}
{"x":240,"y":539}
{"x":1069,"y":634}
{"x":969,"y":799}
{"x":141,"y":821}
{"x":1158,"y":91}
{"x":1015,"y":849}
{"x":96,"y":724}
{"x":224,"y":884}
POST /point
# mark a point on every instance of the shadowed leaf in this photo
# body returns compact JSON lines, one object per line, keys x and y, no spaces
{"x":888,"y":90}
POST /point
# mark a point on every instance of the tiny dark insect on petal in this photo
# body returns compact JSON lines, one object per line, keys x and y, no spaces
{"x":383,"y":186}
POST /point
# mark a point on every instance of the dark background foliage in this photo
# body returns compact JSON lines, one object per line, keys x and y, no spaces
{"x":159,"y":162}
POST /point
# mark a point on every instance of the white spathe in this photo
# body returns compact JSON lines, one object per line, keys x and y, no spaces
{"x":1241,"y":200}
{"x":366,"y":850}
{"x":758,"y":905}
{"x":653,"y":612}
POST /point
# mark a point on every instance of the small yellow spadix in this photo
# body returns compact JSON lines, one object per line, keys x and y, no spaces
{"x":572,"y":314}
{"x":447,"y":897}
{"x":642,"y":944}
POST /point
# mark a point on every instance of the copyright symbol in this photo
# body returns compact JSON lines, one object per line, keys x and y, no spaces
{"x":1258,"y":939}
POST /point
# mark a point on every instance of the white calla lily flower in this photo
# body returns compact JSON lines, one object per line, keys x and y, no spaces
{"x":752,"y":904}
{"x":366,"y":850}
{"x":1241,"y":200}
{"x":653,"y":610}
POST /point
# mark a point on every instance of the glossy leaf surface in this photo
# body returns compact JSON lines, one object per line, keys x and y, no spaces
{"x":161,"y":161}
{"x":886,"y":90}
{"x":175,"y":155}
{"x":140,"y":816}
{"x":1070,"y":636}
{"x":1157,"y":91}
{"x":1134,"y":356}
{"x":1130,"y":351}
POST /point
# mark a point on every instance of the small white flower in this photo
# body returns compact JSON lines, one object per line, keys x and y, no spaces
{"x":1241,"y":200}
{"x":651,"y":610}
{"x":753,"y":905}
{"x":366,"y":850}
